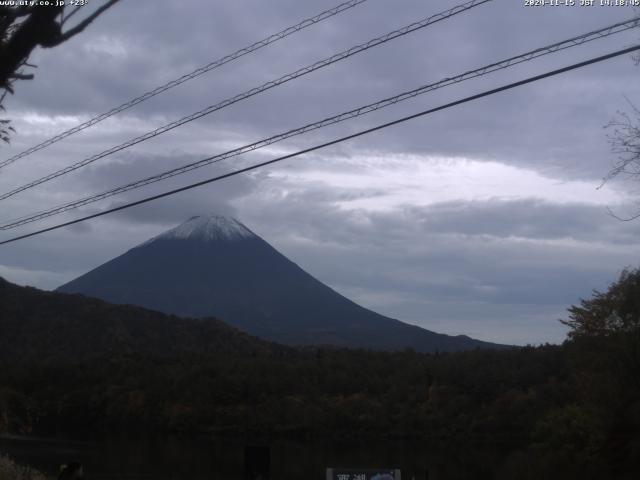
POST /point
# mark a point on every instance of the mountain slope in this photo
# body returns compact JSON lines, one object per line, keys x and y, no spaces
{"x":40,"y":325}
{"x":215,"y":266}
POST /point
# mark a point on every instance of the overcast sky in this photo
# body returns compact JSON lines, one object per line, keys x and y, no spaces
{"x":484,"y":219}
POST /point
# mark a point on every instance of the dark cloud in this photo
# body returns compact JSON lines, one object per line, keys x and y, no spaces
{"x":528,"y":218}
{"x":547,"y":125}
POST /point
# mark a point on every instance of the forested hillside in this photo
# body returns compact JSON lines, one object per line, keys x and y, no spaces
{"x":575,"y":404}
{"x":48,"y":326}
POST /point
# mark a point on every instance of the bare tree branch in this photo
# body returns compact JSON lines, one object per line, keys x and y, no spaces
{"x":85,"y":23}
{"x":623,"y":219}
{"x":70,"y":14}
{"x":24,"y":28}
{"x":37,"y":29}
{"x":624,"y":141}
{"x":21,"y":76}
{"x":16,"y":12}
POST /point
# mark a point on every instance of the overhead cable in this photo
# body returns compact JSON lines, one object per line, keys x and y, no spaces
{"x":333,"y":142}
{"x":254,"y":91}
{"x":524,"y":57}
{"x":189,"y":76}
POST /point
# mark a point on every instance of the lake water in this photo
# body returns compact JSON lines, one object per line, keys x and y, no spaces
{"x":197,"y":458}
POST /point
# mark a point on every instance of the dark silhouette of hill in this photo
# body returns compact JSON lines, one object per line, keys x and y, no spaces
{"x":215,"y":266}
{"x":565,"y":411}
{"x":44,"y":325}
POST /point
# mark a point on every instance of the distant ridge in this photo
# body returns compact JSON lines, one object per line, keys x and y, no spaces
{"x":215,"y":266}
{"x":39,"y":326}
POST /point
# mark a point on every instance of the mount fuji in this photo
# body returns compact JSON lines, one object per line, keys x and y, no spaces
{"x":214,"y":266}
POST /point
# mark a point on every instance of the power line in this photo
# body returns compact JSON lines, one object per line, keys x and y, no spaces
{"x":335,"y":141}
{"x":538,"y":52}
{"x":256,"y":90}
{"x":189,"y":76}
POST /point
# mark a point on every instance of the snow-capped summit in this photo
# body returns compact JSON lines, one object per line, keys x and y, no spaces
{"x":208,"y":227}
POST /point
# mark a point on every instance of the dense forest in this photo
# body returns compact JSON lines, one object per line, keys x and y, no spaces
{"x":67,"y":362}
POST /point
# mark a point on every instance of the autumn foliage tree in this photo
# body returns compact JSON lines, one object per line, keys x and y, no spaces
{"x":612,"y":314}
{"x":605,"y":348}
